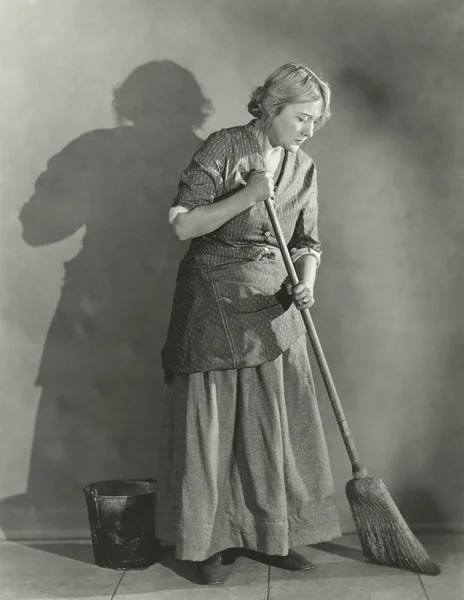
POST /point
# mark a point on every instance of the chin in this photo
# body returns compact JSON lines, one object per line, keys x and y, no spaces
{"x":292,"y":147}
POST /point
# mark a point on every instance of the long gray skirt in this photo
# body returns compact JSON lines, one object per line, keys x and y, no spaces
{"x":244,"y":461}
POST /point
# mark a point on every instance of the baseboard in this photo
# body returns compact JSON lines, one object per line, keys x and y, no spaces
{"x":83,"y":535}
{"x":422,"y":528}
{"x":419,"y":528}
{"x":62,"y":535}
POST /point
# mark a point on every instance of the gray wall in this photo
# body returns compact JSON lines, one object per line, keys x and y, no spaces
{"x":88,"y":262}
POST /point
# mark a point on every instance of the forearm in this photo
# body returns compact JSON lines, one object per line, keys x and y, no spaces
{"x":306,"y":267}
{"x":209,"y":217}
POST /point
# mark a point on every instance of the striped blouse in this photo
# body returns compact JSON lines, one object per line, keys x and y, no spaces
{"x":229,"y":310}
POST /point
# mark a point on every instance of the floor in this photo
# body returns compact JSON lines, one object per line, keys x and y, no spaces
{"x":66,"y":570}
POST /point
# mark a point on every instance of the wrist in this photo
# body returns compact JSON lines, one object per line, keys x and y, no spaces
{"x":309,"y":283}
{"x":246,"y":197}
{"x":308,"y":280}
{"x":306,"y":268}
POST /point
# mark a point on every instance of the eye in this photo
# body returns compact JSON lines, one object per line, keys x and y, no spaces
{"x":301,"y":120}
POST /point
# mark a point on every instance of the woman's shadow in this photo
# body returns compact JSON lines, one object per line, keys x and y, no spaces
{"x":102,"y":385}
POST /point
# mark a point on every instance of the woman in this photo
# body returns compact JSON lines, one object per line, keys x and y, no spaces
{"x":245,"y":462}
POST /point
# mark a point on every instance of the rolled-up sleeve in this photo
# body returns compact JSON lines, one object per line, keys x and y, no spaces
{"x":305,"y":239}
{"x":202,"y":182}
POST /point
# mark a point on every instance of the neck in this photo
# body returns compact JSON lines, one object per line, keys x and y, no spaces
{"x":264,"y":141}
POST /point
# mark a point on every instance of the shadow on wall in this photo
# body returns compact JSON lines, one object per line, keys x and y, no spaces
{"x":100,"y":374}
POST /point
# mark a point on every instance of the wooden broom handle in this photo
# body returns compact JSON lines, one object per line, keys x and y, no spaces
{"x":359,"y":470}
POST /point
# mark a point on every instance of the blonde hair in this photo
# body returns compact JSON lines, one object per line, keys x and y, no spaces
{"x":289,"y":84}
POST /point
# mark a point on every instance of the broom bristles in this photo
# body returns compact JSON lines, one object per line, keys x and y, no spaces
{"x":385,"y":536}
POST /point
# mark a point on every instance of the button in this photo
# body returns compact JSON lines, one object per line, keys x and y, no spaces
{"x":267,"y":234}
{"x":266,"y":250}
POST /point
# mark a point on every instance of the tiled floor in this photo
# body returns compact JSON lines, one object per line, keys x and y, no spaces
{"x":50,"y":571}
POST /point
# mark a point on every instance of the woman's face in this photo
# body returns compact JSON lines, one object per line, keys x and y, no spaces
{"x":294,"y":124}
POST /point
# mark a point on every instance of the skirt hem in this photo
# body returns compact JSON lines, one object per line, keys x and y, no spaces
{"x":195,"y":543}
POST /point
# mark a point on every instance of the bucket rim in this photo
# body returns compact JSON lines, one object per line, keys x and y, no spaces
{"x":90,"y":490}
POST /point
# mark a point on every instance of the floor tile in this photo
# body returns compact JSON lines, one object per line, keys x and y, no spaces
{"x":52,"y":571}
{"x":360,"y":588}
{"x":67,"y":571}
{"x":448,"y":551}
{"x":175,"y":580}
{"x":342,"y":574}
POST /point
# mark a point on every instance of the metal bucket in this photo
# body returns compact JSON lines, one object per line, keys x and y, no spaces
{"x":122,"y":523}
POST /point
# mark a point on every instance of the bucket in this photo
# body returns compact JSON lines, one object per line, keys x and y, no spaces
{"x":122,"y":523}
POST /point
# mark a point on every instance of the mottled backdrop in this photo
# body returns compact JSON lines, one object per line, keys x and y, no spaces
{"x":88,"y":262}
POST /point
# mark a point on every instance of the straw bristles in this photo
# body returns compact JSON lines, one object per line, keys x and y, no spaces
{"x":385,"y":536}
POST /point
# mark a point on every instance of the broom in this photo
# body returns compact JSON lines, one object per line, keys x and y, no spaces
{"x":385,"y":536}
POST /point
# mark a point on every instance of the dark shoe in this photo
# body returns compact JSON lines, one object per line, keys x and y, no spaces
{"x":212,"y":571}
{"x":230,"y":555}
{"x":292,"y":562}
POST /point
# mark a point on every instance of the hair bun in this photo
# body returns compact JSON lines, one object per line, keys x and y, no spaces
{"x":254,"y":109}
{"x":254,"y":106}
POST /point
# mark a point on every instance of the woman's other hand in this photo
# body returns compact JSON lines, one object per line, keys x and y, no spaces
{"x":302,"y":294}
{"x":260,"y":186}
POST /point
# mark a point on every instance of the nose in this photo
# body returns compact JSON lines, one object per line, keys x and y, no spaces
{"x":308,"y":129}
